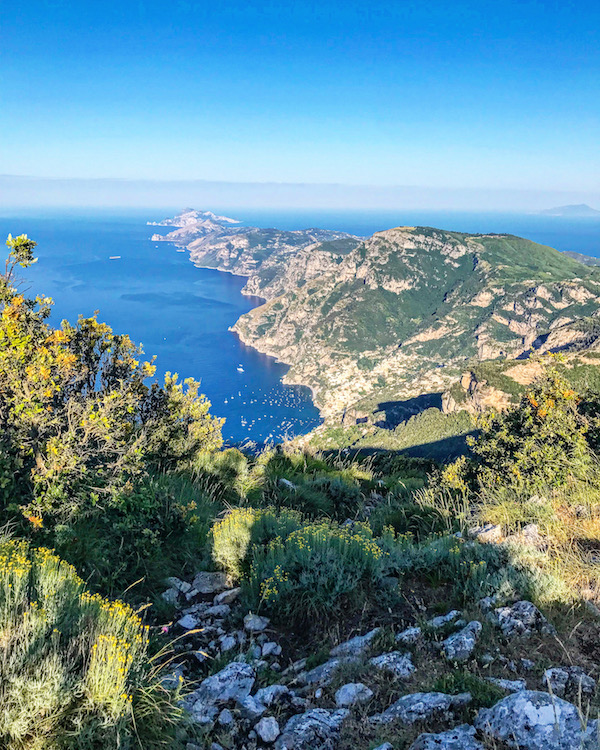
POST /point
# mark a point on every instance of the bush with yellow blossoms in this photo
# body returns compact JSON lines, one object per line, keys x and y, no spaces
{"x":74,"y":671}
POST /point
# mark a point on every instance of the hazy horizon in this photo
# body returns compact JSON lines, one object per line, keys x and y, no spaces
{"x":20,"y":192}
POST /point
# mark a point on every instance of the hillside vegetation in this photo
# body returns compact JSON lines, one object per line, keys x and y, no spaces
{"x":401,"y":313}
{"x":160,"y":590}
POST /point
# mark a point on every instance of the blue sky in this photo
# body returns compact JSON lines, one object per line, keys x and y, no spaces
{"x":502,"y":95}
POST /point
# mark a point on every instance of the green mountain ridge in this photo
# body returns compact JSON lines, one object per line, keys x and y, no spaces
{"x":401,"y":313}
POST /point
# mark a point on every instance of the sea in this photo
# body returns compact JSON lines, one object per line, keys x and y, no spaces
{"x":103,"y":260}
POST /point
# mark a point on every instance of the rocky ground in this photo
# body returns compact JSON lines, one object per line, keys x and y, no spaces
{"x":244,"y":689}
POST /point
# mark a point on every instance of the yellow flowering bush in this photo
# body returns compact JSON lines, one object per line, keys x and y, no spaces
{"x":539,"y":445}
{"x":73,"y":665}
{"x":82,"y":429}
{"x":315,"y":570}
{"x":77,"y":416}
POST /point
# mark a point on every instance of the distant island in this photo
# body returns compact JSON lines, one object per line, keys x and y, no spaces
{"x":575,"y":211}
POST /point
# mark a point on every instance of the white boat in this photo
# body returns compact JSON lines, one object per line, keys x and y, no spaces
{"x":240,"y":368}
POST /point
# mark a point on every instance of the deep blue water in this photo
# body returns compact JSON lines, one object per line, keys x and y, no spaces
{"x":182,"y":313}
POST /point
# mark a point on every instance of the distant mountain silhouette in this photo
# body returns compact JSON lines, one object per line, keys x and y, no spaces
{"x":581,"y":209}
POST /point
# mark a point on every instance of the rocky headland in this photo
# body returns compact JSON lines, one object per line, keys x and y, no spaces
{"x":364,"y":321}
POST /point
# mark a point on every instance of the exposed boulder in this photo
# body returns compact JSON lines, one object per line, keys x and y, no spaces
{"x":395,"y":662}
{"x":352,"y":693}
{"x":421,"y":707}
{"x":225,"y":718}
{"x":459,"y":646}
{"x":323,"y":674}
{"x":170,"y":596}
{"x":356,"y":646}
{"x":271,"y":649}
{"x":233,"y":682}
{"x":459,"y":738}
{"x":181,"y":586}
{"x":227,"y":597}
{"x":218,"y":610}
{"x":522,"y":619}
{"x":272,"y":694}
{"x":409,"y":636}
{"x":251,"y":708}
{"x":532,"y":720}
{"x":569,"y":682}
{"x":510,"y":686}
{"x":210,"y":583}
{"x":188,"y":622}
{"x":267,"y":729}
{"x":437,"y":623}
{"x":488,"y":534}
{"x":317,"y":729}
{"x":255,"y":623}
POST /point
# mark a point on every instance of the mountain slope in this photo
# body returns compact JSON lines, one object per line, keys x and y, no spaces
{"x":366,"y":322}
{"x":587,"y":260}
{"x":398,"y":314}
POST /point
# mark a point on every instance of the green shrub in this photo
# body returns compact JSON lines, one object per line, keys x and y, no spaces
{"x":421,"y":521}
{"x":315,"y":570}
{"x":539,"y":445}
{"x":74,"y":672}
{"x":484,"y":694}
{"x":324,"y":496}
{"x":235,"y":536}
{"x":78,"y":420}
{"x":154,"y":527}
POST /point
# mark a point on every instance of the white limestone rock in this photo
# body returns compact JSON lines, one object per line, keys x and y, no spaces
{"x":522,"y":619}
{"x":268,"y":729}
{"x":510,"y":686}
{"x":355,"y":646}
{"x":227,"y":597}
{"x":255,"y":623}
{"x":532,"y":720}
{"x":437,"y":623}
{"x":410,"y":636}
{"x":459,"y":646}
{"x":233,"y":682}
{"x":421,"y":707}
{"x":395,"y":662}
{"x":188,"y":622}
{"x":272,"y":694}
{"x":324,"y":673}
{"x":569,"y":682}
{"x":317,"y":729}
{"x":459,"y":738}
{"x":210,"y":583}
{"x":352,"y":693}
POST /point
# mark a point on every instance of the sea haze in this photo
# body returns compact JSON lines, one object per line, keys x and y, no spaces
{"x":182,"y":313}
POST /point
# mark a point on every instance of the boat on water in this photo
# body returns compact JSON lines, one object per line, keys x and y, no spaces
{"x":240,"y":368}
{"x":114,"y":257}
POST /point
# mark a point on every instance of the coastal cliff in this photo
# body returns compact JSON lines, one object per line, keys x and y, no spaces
{"x":399,"y":314}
